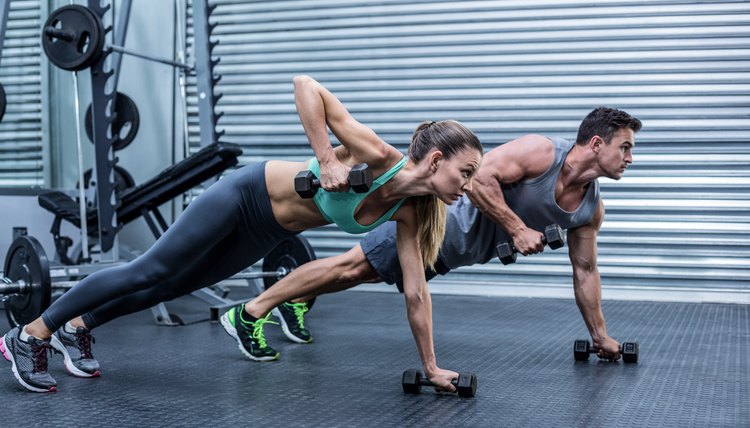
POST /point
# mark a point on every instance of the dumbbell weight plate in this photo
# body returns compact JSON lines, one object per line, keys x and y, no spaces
{"x":410,"y":381}
{"x":88,"y":42}
{"x":27,"y":261}
{"x":630,"y":352}
{"x":126,"y":114}
{"x":554,"y":236}
{"x":289,"y":254}
{"x":581,"y":350}
{"x":467,"y":385}
{"x":360,"y":178}
{"x":123,"y":179}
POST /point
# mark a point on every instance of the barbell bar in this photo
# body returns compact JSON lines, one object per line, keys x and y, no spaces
{"x":73,"y":39}
{"x":28,"y":280}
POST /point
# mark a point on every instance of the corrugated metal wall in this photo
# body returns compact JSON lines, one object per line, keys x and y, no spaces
{"x":680,"y":217}
{"x":22,"y":158}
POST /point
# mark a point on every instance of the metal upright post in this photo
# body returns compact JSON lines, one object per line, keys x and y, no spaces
{"x":104,"y":160}
{"x":4,"y":8}
{"x":206,"y":80}
{"x":121,"y":32}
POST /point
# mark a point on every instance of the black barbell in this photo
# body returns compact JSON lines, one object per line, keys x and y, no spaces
{"x":73,"y":39}
{"x":27,"y":284}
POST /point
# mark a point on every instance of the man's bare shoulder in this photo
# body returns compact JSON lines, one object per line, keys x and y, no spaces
{"x":532,"y":153}
{"x":535,"y":142}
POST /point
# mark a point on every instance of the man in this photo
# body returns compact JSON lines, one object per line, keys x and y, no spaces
{"x":520,"y":188}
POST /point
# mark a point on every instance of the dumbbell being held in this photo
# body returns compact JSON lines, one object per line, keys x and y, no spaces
{"x":553,"y":237}
{"x":306,"y":184}
{"x":413,"y":380}
{"x":582,"y":349}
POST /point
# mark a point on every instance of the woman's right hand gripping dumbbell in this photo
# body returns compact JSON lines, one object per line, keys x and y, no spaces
{"x":334,"y":175}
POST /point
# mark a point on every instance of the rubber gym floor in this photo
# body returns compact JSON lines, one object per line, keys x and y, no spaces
{"x":692,"y":371}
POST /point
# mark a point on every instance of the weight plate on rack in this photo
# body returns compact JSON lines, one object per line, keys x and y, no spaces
{"x":26,"y":261}
{"x":3,"y":101}
{"x":289,"y":254}
{"x":126,"y":118}
{"x":123,"y":179}
{"x":73,"y":37}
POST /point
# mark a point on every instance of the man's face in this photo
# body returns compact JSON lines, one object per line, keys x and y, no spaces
{"x":615,"y":157}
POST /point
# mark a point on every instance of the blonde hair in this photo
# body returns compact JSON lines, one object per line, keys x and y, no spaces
{"x":431,"y":214}
{"x":450,"y":137}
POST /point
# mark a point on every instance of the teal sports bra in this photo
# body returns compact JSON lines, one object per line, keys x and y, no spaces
{"x":338,"y":207}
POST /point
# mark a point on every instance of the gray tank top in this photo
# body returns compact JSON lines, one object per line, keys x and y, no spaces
{"x":471,"y":238}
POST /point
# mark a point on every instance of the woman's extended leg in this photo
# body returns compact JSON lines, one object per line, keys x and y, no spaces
{"x":230,"y":256}
{"x":229,"y":207}
{"x":208,"y":220}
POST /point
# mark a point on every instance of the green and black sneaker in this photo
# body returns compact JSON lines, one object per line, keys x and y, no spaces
{"x":292,"y":318}
{"x":248,"y":332}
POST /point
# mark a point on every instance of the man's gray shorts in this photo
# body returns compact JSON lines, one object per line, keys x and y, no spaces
{"x":379,"y":246}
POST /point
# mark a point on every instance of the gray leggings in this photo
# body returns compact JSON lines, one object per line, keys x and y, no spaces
{"x":227,"y":228}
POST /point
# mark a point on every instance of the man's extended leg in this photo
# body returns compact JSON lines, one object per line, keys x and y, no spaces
{"x":313,"y":278}
{"x":317,"y":277}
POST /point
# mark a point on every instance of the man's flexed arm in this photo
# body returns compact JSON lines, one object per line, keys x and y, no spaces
{"x":587,"y":283}
{"x":523,"y":158}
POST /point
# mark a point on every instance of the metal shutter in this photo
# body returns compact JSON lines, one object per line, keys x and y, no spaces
{"x":22,"y":147}
{"x":679,"y":219}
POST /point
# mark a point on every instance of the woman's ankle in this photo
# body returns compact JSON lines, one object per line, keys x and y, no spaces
{"x":38,"y":329}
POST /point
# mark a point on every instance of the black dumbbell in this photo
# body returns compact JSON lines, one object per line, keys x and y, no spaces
{"x":553,"y":236}
{"x":360,"y":180}
{"x":413,"y":380}
{"x":582,"y":349}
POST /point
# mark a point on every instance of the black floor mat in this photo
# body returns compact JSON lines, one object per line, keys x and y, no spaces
{"x":693,"y":370}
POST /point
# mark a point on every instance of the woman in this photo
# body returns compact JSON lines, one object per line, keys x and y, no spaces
{"x":243,"y":216}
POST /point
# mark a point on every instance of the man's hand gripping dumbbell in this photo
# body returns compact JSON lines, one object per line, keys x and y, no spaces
{"x":553,"y":237}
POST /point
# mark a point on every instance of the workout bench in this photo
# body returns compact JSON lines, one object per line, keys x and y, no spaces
{"x":143,"y":200}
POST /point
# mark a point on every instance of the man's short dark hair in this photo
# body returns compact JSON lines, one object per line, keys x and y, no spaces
{"x":605,"y":122}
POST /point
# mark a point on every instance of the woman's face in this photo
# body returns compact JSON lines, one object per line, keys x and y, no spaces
{"x":452,"y":177}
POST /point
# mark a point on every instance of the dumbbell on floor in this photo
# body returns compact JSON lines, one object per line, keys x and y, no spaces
{"x":553,"y":236}
{"x":582,"y":349}
{"x":413,"y":380}
{"x":306,"y":184}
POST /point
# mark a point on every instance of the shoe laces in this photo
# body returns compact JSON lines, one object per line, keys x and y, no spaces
{"x":257,"y":333}
{"x":39,"y":351}
{"x":299,"y":311}
{"x":84,"y":339}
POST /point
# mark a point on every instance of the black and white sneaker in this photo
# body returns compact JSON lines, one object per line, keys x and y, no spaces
{"x":248,"y":332}
{"x":292,"y":318}
{"x":76,"y":349}
{"x":29,"y":359}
